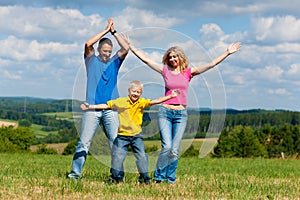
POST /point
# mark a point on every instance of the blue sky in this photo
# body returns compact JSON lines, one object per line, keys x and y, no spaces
{"x":42,"y":45}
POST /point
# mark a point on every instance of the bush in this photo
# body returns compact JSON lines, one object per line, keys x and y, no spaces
{"x":241,"y":141}
{"x":49,"y":128}
{"x":191,"y":152}
{"x":24,"y":123}
{"x":15,"y":139}
{"x":151,"y":148}
{"x":70,"y":148}
{"x":42,"y":149}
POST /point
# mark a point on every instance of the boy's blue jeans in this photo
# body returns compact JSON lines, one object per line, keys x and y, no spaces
{"x":119,"y":152}
{"x":172,"y":124}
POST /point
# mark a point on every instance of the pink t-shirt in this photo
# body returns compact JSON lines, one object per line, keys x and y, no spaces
{"x":177,"y":81}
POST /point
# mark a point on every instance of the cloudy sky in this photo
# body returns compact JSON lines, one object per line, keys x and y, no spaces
{"x":42,"y":44}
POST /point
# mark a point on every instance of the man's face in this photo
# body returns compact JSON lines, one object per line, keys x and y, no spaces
{"x":105,"y":52}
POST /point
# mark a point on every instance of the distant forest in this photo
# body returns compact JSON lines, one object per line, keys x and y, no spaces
{"x":269,"y":129}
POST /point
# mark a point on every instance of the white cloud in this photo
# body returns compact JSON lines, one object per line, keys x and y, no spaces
{"x":272,"y":73}
{"x":19,"y":49}
{"x":12,"y":76}
{"x":279,"y":91}
{"x":294,"y":70}
{"x":46,"y":23}
{"x":135,"y":18}
{"x":277,"y":29}
{"x":211,"y":34}
{"x":214,"y":9}
{"x":239,"y":80}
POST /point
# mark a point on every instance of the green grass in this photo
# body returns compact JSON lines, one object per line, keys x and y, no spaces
{"x":38,"y":132}
{"x":62,"y":115}
{"x":27,"y":176}
{"x":59,"y":114}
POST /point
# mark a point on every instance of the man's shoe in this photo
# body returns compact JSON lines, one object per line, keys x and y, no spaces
{"x":74,"y":176}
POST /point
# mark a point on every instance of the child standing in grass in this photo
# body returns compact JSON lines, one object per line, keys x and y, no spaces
{"x":130,"y":111}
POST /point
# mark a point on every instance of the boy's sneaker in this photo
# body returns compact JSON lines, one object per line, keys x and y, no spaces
{"x":73,"y":175}
{"x":145,"y":180}
{"x":112,"y":180}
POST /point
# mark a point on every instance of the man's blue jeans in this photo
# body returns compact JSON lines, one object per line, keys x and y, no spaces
{"x":119,"y":152}
{"x":172,"y":124}
{"x":90,"y":123}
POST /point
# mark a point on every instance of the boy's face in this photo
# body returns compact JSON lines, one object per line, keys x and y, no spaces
{"x":134,"y":93}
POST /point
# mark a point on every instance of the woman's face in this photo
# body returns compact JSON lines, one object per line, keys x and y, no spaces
{"x":173,"y":59}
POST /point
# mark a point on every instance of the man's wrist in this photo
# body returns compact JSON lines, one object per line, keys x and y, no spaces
{"x":113,"y":32}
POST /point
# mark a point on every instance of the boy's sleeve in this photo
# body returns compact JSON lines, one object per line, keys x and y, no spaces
{"x":147,"y":103}
{"x":110,"y":104}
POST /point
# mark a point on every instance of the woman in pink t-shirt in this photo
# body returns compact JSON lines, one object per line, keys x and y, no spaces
{"x":172,"y":115}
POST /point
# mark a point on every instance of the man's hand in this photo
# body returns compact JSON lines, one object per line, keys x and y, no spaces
{"x":110,"y":24}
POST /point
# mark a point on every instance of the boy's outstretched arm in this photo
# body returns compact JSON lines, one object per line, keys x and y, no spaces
{"x":165,"y":98}
{"x":86,"y":106}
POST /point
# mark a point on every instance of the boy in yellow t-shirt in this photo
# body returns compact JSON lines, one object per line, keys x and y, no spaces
{"x":130,"y":111}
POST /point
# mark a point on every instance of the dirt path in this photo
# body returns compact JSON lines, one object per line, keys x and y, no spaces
{"x":5,"y":123}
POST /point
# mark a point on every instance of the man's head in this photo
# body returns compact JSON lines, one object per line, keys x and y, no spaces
{"x":105,"y":47}
{"x":135,"y":90}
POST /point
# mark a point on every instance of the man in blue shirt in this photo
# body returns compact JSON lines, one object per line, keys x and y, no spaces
{"x":102,"y":72}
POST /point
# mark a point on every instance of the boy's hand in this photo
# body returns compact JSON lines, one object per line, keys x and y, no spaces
{"x":175,"y":93}
{"x":84,"y":106}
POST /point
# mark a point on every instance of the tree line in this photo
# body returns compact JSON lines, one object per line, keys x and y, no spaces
{"x":267,"y":141}
{"x":246,"y":133}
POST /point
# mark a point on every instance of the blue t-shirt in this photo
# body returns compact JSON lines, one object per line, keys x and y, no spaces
{"x":102,"y":79}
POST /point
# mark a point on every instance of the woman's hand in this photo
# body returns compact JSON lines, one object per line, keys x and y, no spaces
{"x":233,"y":48}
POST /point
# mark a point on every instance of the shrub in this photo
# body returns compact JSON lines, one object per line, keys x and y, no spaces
{"x":24,"y":123}
{"x":191,"y":152}
{"x":70,"y":148}
{"x":42,"y":149}
{"x":15,"y":139}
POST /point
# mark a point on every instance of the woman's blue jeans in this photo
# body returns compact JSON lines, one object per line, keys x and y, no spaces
{"x":90,"y":123}
{"x":172,"y":124}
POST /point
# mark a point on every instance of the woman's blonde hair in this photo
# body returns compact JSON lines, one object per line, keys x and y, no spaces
{"x":183,"y":61}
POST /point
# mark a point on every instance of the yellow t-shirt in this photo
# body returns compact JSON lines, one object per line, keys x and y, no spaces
{"x":130,"y":114}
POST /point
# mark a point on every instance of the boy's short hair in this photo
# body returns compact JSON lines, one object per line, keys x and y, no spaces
{"x":136,"y":83}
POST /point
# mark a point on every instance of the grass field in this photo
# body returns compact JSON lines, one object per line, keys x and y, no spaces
{"x":31,"y":176}
{"x":62,"y":115}
{"x":39,"y":133}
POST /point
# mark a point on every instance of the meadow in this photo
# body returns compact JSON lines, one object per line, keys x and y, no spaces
{"x":33,"y":176}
